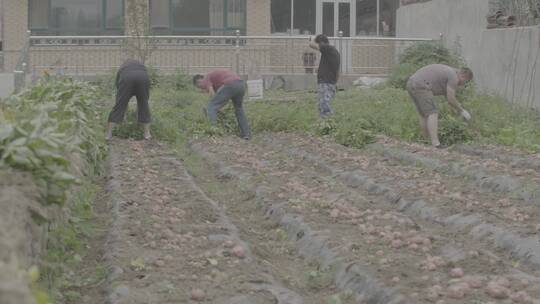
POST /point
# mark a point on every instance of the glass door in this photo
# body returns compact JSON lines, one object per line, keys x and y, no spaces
{"x":328,"y":21}
{"x":334,"y":16}
{"x":344,"y":19}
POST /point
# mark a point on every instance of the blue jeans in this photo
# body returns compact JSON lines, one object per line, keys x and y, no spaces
{"x":234,"y":91}
{"x":325,"y":93}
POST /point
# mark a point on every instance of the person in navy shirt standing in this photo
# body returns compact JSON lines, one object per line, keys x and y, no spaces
{"x":328,"y":73}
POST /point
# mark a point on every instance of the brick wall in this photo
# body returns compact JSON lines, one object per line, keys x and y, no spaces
{"x":258,"y":17}
{"x":15,"y":27}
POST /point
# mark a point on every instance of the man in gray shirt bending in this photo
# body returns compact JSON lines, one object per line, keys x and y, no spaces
{"x":436,"y":80}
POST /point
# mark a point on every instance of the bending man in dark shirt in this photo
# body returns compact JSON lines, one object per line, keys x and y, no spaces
{"x":131,"y":80}
{"x":223,"y":85}
{"x":328,"y":73}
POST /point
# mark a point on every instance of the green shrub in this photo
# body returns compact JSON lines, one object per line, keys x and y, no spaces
{"x":400,"y":74}
{"x":425,"y":53}
{"x":51,"y":132}
{"x":497,"y":121}
{"x":179,"y":81}
{"x":106,"y":83}
{"x":419,"y":55}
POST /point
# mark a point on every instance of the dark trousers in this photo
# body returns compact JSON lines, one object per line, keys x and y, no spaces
{"x":234,"y":91}
{"x":132,"y":83}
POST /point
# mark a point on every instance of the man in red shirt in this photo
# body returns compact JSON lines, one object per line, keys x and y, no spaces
{"x":223,"y":85}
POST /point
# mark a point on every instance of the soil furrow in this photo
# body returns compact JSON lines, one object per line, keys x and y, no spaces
{"x":494,"y":160}
{"x":525,"y":189}
{"x":353,"y":239}
{"x":310,"y":243}
{"x":526,"y":248}
{"x":170,"y":242}
{"x":512,"y":160}
{"x":450,"y":194}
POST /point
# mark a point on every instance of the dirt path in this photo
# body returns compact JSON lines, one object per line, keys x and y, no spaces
{"x":293,"y":219}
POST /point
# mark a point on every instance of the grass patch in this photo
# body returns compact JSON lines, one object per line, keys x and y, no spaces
{"x":67,"y":249}
{"x":360,"y":114}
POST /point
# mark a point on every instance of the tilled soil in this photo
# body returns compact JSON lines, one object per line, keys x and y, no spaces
{"x":172,"y":243}
{"x":286,"y":218}
{"x":421,"y":233}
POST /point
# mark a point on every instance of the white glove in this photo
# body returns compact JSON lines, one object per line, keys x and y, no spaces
{"x":466,"y":115}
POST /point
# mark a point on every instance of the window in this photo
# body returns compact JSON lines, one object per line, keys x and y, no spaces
{"x":76,"y":17}
{"x":303,"y":12}
{"x":193,"y":16}
{"x":236,"y":13}
{"x":304,"y":17}
{"x":159,"y":14}
{"x":281,"y":16}
{"x":114,"y":14}
{"x":197,"y":17}
{"x":366,"y":17}
{"x":38,"y":14}
{"x":388,"y":10}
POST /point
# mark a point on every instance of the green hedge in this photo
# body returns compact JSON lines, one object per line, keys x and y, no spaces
{"x":50,"y":130}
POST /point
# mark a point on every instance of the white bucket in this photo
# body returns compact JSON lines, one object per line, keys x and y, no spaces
{"x":255,"y":89}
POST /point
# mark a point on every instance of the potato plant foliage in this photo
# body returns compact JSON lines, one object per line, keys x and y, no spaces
{"x":49,"y":131}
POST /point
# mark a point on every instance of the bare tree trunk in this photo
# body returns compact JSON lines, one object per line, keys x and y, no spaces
{"x":139,"y":45}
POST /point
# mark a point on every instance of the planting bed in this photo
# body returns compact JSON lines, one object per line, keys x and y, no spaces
{"x":286,"y":218}
{"x":172,"y":243}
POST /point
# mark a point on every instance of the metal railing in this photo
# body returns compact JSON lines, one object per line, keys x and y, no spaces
{"x":247,"y":55}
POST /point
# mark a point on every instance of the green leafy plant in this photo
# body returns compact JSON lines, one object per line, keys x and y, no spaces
{"x":35,"y":146}
{"x":419,"y":55}
{"x":51,"y":134}
{"x":454,"y":130}
{"x":326,"y":127}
